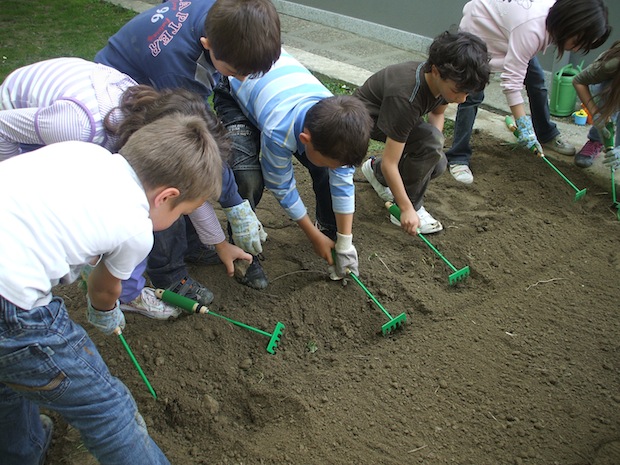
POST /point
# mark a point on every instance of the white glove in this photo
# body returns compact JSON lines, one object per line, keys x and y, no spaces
{"x":345,"y":258}
{"x":526,"y":135}
{"x":105,"y":321}
{"x":247,"y":232}
{"x":612,"y":158}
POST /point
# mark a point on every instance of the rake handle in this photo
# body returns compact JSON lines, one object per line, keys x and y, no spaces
{"x":191,"y":306}
{"x":512,"y":128}
{"x":609,"y":145}
{"x":394,"y":210}
{"x":119,"y":332}
{"x":368,"y":293}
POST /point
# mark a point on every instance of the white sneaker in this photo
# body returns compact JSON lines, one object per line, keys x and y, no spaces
{"x":150,"y":306}
{"x":428,"y":224}
{"x":384,"y":192}
{"x":462,"y":173}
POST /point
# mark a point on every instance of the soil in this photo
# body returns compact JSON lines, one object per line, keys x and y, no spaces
{"x":517,"y":364}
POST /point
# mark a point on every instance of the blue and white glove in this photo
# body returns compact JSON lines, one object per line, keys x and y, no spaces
{"x":612,"y":158}
{"x":600,"y":124}
{"x":247,"y":231}
{"x":345,"y":258}
{"x":107,"y":321}
{"x":526,"y":135}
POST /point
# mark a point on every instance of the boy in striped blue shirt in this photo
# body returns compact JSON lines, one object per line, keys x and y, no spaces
{"x":298,"y":117}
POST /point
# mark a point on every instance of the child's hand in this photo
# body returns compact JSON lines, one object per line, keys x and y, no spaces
{"x":228,"y":253}
{"x":345,"y":258}
{"x":105,"y":321}
{"x":409,"y":221}
{"x":526,"y":135}
{"x":247,"y":232}
{"x":612,"y":158}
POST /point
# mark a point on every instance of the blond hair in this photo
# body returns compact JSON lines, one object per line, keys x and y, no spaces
{"x":177,"y":151}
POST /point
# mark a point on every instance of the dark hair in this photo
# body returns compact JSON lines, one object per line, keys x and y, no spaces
{"x":586,"y":21}
{"x":141,"y":105}
{"x":461,"y":57}
{"x":339,"y":128}
{"x":245,"y":34}
{"x":608,"y":99}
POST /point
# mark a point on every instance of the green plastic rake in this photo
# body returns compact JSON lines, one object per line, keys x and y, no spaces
{"x":513,"y":128}
{"x":191,"y":306}
{"x":394,"y":322}
{"x":457,"y":275}
{"x":609,"y":145}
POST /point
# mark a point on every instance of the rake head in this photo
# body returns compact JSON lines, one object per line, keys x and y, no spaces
{"x":580,"y":194}
{"x":275,"y":338}
{"x":394,"y":324}
{"x":460,"y":275}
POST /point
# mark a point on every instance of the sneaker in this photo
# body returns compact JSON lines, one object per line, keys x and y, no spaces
{"x":149,"y":305}
{"x":428,"y":224}
{"x":588,"y":153}
{"x":382,"y":191}
{"x":253,"y":275}
{"x":204,"y":255}
{"x":462,"y":173}
{"x":48,"y":429}
{"x":557,"y":144}
{"x":192,"y":290}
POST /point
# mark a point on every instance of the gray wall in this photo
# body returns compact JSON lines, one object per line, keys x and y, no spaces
{"x":411,"y":24}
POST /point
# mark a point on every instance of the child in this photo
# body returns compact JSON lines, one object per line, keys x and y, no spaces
{"x":65,"y":205}
{"x":298,"y":117}
{"x":398,"y":97}
{"x":189,"y":45}
{"x":74,"y":99}
{"x":602,"y":78}
{"x":515,"y":31}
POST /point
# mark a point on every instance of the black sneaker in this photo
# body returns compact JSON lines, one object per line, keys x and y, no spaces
{"x":253,"y":275}
{"x":192,"y":290}
{"x":204,"y":255}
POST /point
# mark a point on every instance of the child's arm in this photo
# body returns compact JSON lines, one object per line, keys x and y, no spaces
{"x":389,"y":167}
{"x":437,"y":117}
{"x":103,"y":309}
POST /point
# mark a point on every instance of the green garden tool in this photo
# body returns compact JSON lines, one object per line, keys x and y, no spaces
{"x":458,"y":275}
{"x":394,"y":322}
{"x":513,"y":128}
{"x":609,"y":145}
{"x":119,"y":333}
{"x":191,"y":306}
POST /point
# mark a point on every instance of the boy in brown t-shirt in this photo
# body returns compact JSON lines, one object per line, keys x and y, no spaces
{"x":398,"y":97}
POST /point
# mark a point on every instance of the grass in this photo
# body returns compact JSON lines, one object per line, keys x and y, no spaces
{"x":36,"y":30}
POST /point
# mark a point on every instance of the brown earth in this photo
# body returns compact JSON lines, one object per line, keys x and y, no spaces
{"x":519,"y":364}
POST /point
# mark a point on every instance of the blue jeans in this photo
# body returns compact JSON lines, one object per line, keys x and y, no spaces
{"x":47,"y":360}
{"x":166,"y":262}
{"x":593,"y":134}
{"x":245,"y":160}
{"x":545,"y":129}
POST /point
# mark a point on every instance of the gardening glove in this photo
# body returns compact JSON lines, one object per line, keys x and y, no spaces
{"x":107,"y":321}
{"x":526,"y":135}
{"x":345,"y":258}
{"x":600,"y":124}
{"x":612,"y":158}
{"x":247,"y":232}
